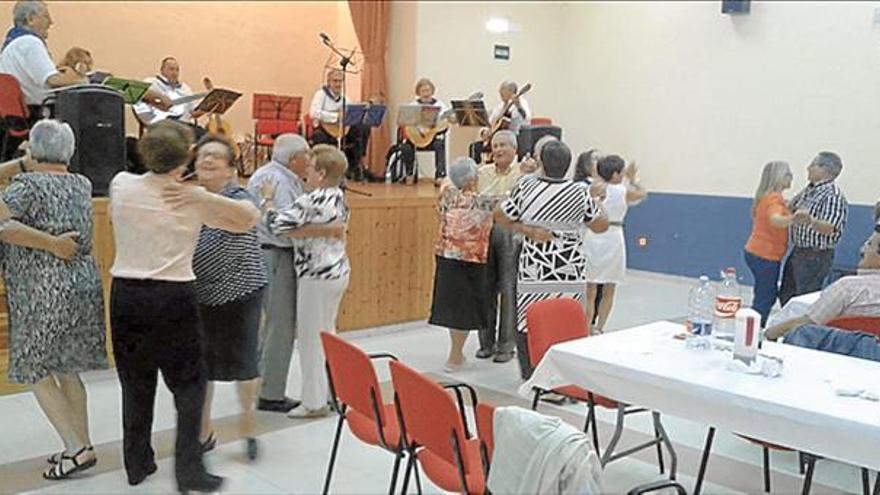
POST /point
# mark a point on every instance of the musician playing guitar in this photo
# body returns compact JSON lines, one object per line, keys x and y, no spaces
{"x":432,"y":139}
{"x":168,"y":83}
{"x":326,"y":112}
{"x":512,"y":112}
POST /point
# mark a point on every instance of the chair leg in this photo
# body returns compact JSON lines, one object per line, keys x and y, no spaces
{"x":409,"y":465}
{"x":535,"y":400}
{"x":618,"y":430}
{"x":704,"y":462}
{"x":866,"y":482}
{"x":808,"y":477}
{"x":659,"y":448}
{"x":802,"y":461}
{"x":333,"y":454}
{"x":766,"y":453}
{"x":397,"y":458}
{"x":877,"y":484}
{"x":418,"y":479}
{"x":595,"y":428}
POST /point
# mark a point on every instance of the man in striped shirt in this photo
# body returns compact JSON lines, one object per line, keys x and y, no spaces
{"x":820,"y":212}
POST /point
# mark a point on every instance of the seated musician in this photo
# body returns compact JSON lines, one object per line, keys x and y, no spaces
{"x":325,"y":111}
{"x":168,"y":83}
{"x":517,"y":115}
{"x":425,"y":96}
{"x":25,"y":57}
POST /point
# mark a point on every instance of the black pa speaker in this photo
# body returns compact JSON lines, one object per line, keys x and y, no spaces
{"x":530,"y":134}
{"x":96,"y":115}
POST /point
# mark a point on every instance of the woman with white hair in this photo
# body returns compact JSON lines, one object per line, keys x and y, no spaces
{"x":768,"y":241}
{"x":56,"y":307}
{"x":461,"y":251}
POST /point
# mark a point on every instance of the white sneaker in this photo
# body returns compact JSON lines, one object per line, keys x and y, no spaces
{"x":301,"y":412}
{"x":453,"y":368}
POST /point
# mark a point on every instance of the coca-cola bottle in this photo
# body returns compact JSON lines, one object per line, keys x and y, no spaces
{"x":728,"y":300}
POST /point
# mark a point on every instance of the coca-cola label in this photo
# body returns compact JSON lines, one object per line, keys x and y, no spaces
{"x":727,"y":306}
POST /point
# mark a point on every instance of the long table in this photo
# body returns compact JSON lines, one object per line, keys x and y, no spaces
{"x":649,"y":367}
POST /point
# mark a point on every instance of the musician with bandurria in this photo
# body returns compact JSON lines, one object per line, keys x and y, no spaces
{"x":433,"y":139}
{"x":326,"y":112}
{"x":168,"y":83}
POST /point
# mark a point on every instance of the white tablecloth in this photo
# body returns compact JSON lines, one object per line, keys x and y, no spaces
{"x":646,"y":366}
{"x":794,"y":308}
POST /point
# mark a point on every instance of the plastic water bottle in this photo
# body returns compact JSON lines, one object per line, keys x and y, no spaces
{"x":701,"y":314}
{"x":727,"y":302}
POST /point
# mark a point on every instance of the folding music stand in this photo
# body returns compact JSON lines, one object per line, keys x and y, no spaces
{"x":217,"y":101}
{"x":374,"y":115}
{"x":417,"y":115}
{"x":132,"y":90}
{"x":469,"y":113}
{"x":354,"y":114}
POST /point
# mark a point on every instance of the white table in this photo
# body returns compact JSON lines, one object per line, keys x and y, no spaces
{"x":794,"y":308}
{"x":646,"y":366}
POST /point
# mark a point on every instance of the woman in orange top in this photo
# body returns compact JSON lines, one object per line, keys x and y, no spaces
{"x":769,"y":240}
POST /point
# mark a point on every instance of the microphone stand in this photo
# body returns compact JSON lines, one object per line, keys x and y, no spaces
{"x":344,"y":62}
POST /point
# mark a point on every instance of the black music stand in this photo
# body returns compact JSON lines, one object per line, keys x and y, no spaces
{"x":469,"y":113}
{"x":217,"y":101}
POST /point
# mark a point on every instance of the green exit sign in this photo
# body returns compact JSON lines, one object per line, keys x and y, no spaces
{"x":502,"y":52}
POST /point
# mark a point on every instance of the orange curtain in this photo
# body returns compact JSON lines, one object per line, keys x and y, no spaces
{"x":370,"y":19}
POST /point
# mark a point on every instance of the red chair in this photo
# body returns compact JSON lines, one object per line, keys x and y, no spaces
{"x":308,"y":127}
{"x":357,"y":398}
{"x":866,"y":324}
{"x":541,"y":121}
{"x":437,"y":433}
{"x":554,"y":321}
{"x":273,"y":115}
{"x":14,"y":112}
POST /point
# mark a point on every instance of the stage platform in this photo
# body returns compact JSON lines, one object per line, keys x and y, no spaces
{"x":390,"y":245}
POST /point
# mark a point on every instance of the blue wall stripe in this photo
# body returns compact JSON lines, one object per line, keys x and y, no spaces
{"x":691,"y":234}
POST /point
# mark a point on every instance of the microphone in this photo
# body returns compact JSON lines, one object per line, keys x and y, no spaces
{"x":324,"y":38}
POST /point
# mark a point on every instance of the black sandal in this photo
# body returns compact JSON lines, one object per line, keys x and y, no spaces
{"x":55,"y":458}
{"x":63,"y":469}
{"x":209,"y":443}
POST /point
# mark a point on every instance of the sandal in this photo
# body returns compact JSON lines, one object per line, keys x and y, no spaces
{"x":209,"y":443}
{"x":68,"y":466}
{"x":55,"y":458}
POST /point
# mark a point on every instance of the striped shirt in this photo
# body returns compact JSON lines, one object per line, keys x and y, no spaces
{"x":228,"y":266}
{"x":565,"y":207}
{"x":857,"y":295}
{"x":825,"y":202}
{"x":318,"y":257}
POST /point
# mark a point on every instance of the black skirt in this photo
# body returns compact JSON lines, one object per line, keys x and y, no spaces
{"x":232,"y":338}
{"x":459,"y":295}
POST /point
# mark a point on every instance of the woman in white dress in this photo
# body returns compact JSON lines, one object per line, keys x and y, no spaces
{"x":618,"y":186}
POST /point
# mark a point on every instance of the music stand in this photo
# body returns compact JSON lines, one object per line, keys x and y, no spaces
{"x":374,"y":115}
{"x":132,"y":90}
{"x":276,"y":107}
{"x":415,"y":115}
{"x":217,"y":101}
{"x":354,"y":114}
{"x":469,"y":113}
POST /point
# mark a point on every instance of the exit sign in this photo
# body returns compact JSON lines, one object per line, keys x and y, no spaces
{"x":502,"y":52}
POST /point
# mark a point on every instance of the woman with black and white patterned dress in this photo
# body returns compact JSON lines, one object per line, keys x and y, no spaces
{"x":230,"y":278}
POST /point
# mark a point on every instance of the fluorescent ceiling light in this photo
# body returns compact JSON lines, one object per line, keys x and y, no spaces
{"x":497,"y":25}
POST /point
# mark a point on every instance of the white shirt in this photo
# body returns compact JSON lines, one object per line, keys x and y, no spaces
{"x":27,"y":60}
{"x":324,"y":108}
{"x":182,"y":112}
{"x":288,"y":187}
{"x":517,"y":120}
{"x":153,"y":240}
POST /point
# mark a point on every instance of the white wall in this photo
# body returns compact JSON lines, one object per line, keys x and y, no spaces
{"x":700,"y":99}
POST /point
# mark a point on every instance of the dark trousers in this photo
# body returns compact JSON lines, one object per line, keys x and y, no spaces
{"x":805,"y":271}
{"x":156,"y":327}
{"x":408,"y":156}
{"x":522,"y":355}
{"x":766,"y":289}
{"x":355,"y":147}
{"x":501,"y":270}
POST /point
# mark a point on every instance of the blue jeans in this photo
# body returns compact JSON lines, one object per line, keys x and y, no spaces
{"x":805,"y":271}
{"x":766,"y":275}
{"x":846,"y":342}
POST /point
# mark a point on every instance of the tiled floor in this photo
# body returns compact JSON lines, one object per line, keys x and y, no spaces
{"x":294,"y":453}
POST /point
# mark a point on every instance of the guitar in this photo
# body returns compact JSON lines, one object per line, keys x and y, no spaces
{"x":149,"y":115}
{"x":335,"y":130}
{"x":503,"y":122}
{"x":216,"y":125}
{"x":423,"y":136}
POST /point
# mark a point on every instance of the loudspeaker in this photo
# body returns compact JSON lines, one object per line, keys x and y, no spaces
{"x":530,"y":134}
{"x":96,"y":115}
